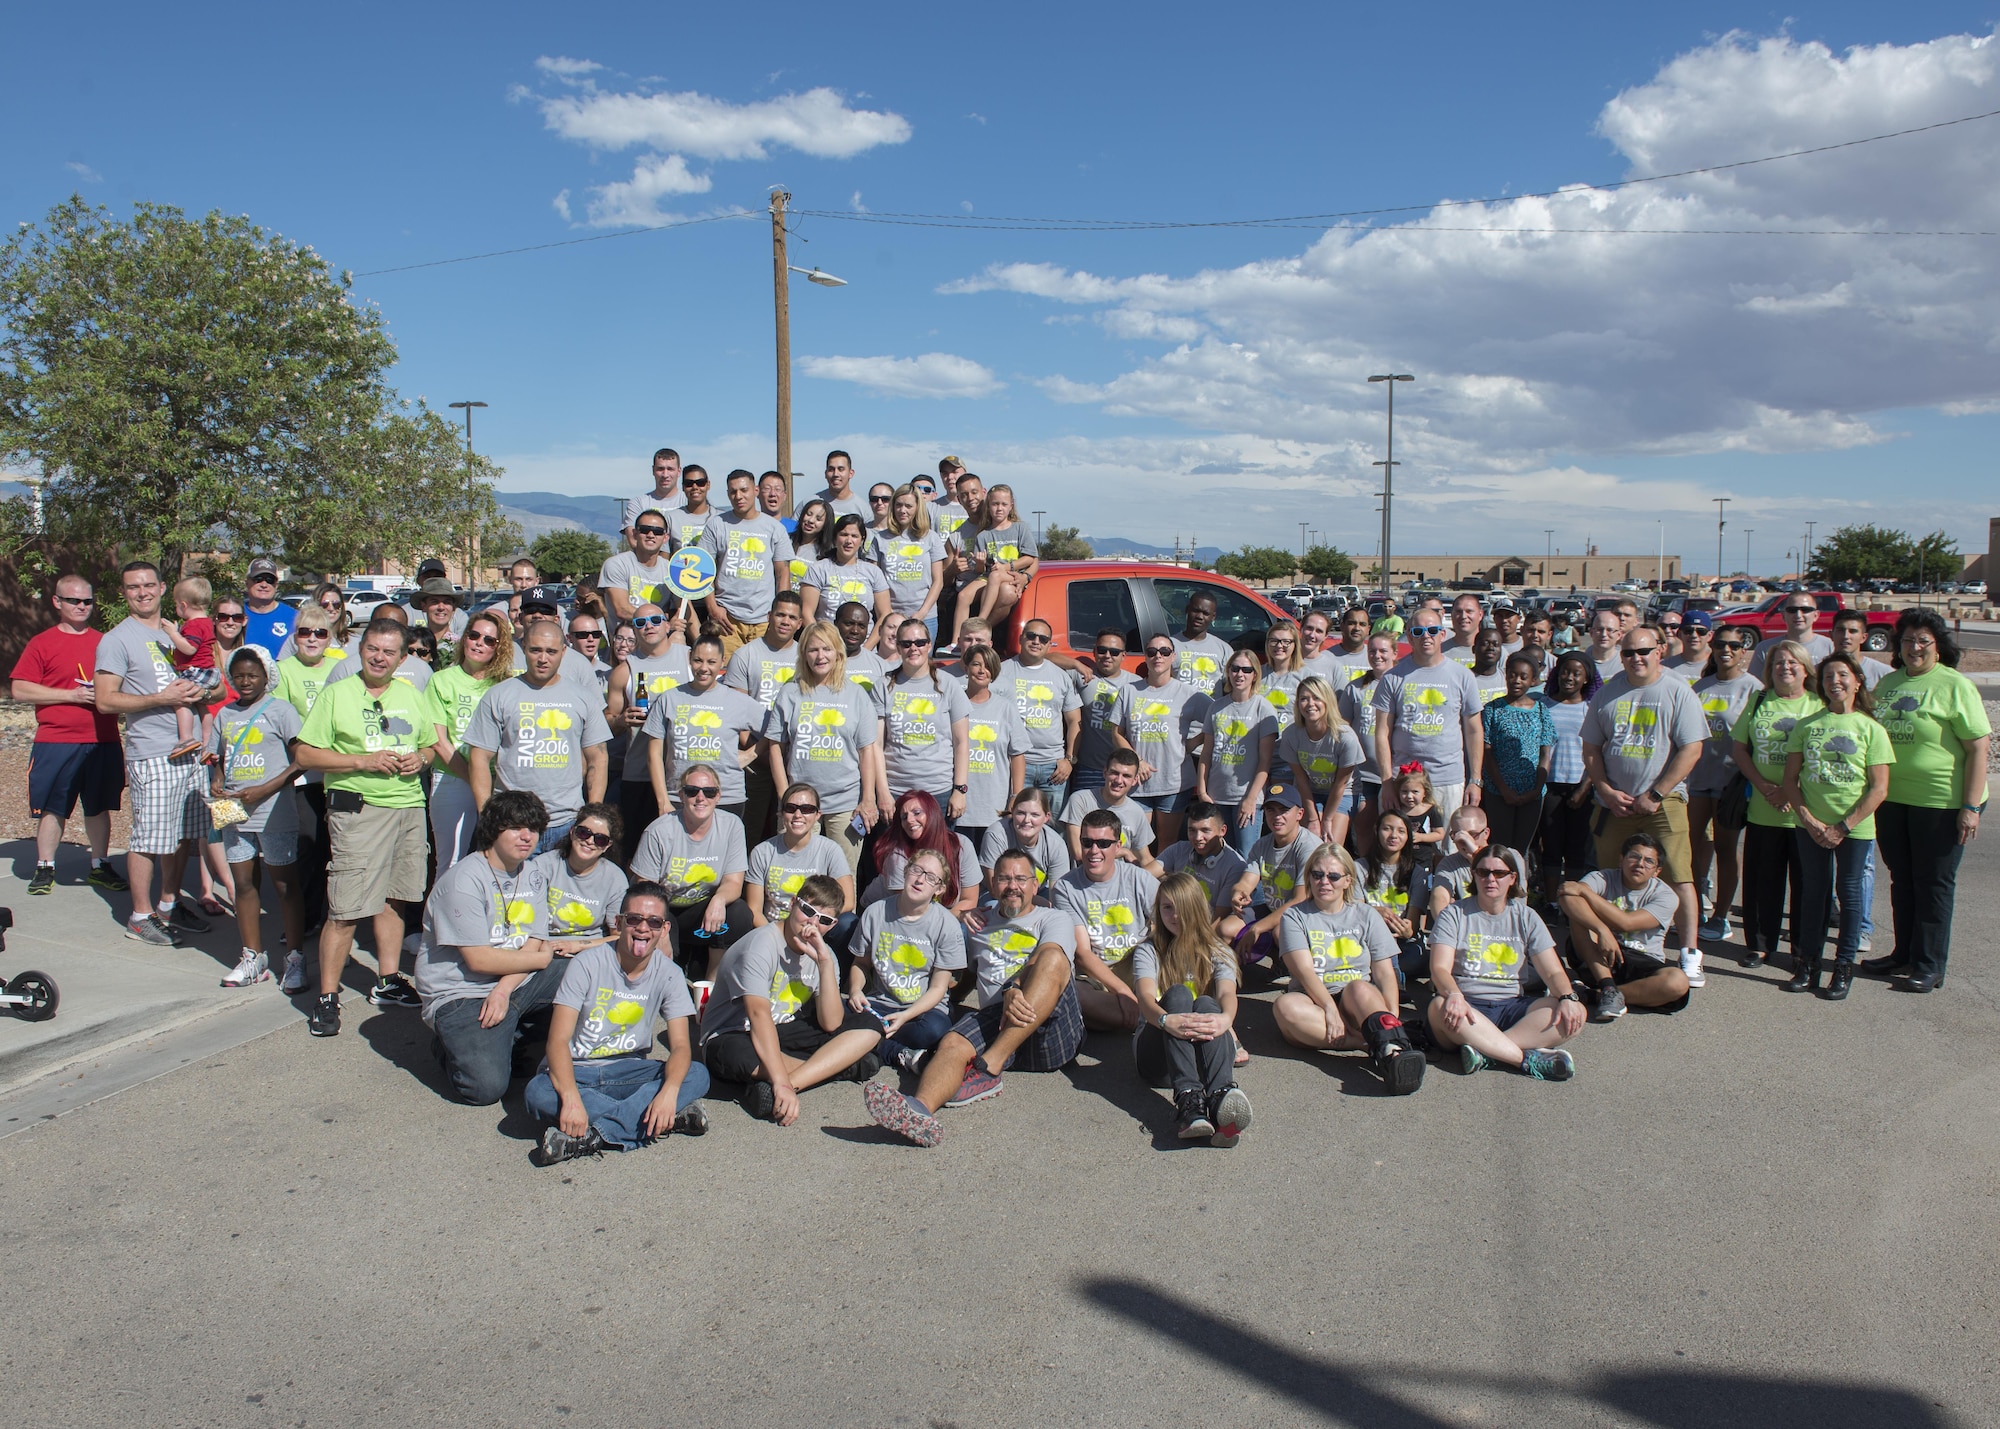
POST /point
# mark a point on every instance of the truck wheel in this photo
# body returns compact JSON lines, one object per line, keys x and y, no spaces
{"x":1878,"y":638}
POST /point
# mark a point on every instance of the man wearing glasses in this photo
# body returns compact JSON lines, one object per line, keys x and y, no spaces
{"x":638,"y":577}
{"x":586,"y":637}
{"x":771,"y":500}
{"x":1800,"y":612}
{"x":538,"y":732}
{"x":269,"y":623}
{"x":76,"y":754}
{"x":1111,"y":902}
{"x":684,"y":527}
{"x":698,"y":854}
{"x":1099,"y":689}
{"x":1433,"y":705}
{"x":1642,"y":738}
{"x":1160,"y":719}
{"x":1696,"y":629}
{"x":767,"y":1025}
{"x":1051,"y":710}
{"x":1607,"y":633}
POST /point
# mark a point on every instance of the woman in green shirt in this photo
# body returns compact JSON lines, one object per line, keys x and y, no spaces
{"x":1836,"y":773}
{"x":1937,"y":791}
{"x":1757,"y":743}
{"x":485,"y":657}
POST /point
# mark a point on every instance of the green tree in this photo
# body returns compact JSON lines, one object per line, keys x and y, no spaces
{"x":567,"y":555}
{"x":435,"y":498}
{"x":1329,"y":564}
{"x":1864,"y":552}
{"x":1258,"y":563}
{"x":1063,"y":543}
{"x":176,"y":378}
{"x":1935,"y":558}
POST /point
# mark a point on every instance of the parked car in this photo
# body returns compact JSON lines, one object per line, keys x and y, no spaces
{"x":361,"y":604}
{"x":1080,"y":598}
{"x":1767,"y":617}
{"x":1975,"y":587}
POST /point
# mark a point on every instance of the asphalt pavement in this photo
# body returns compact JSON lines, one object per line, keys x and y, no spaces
{"x":1766,"y":1211}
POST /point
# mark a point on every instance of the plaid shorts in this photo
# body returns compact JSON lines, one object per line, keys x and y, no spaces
{"x":1048,"y":1047}
{"x":168,"y":806}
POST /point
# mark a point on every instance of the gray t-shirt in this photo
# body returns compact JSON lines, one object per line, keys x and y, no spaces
{"x":868,"y":670}
{"x":1722,"y":704}
{"x":1134,"y":818}
{"x":903,"y":952}
{"x":1453,"y":873}
{"x":577,"y":670}
{"x":1427,"y":709}
{"x":889,"y":878}
{"x":1159,"y":722}
{"x":748,"y":551}
{"x":475,"y":905}
{"x":1655,"y":899}
{"x":250,"y":746}
{"x":1221,"y":967}
{"x":614,"y":1017}
{"x":1115,"y":911}
{"x":1042,"y":695}
{"x":1492,"y":948}
{"x":1235,"y":734}
{"x":642,"y":584}
{"x":1639,"y":728}
{"x":657,"y":674}
{"x":1818,"y":647}
{"x":689,"y":867}
{"x":1344,"y":946}
{"x":760,"y":672}
{"x":1279,"y":689}
{"x":822,"y":731}
{"x":993,"y":736}
{"x":684,"y":527}
{"x":705,"y":727}
{"x":917,"y":733}
{"x":838,"y":584}
{"x":1219,"y":873}
{"x":762,"y":965}
{"x":538,"y":738}
{"x":580,"y":905}
{"x":143,"y":660}
{"x":855,"y":503}
{"x":1100,"y":717}
{"x":647,"y":500}
{"x":1357,"y":707}
{"x":1050,"y":853}
{"x":1280,"y":871}
{"x":906,"y":563}
{"x":1198,"y":663}
{"x":781,"y":872}
{"x":1322,"y":758}
{"x":1004,"y":945}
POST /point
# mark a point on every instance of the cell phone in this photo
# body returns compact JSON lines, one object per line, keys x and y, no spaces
{"x":858,"y":826}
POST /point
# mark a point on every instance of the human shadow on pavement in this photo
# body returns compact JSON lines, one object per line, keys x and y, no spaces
{"x":1676,"y":1399}
{"x":398,"y":1035}
{"x":1113,"y":1078}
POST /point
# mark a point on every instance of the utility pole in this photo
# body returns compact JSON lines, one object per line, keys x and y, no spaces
{"x":1038,"y":528}
{"x":1388,"y":465}
{"x":1720,"y":502}
{"x":472,"y":532}
{"x":1548,"y":552}
{"x":1302,"y":546}
{"x":781,"y":299}
{"x":1660,"y":569}
{"x":1809,"y":526}
{"x":1748,"y":532}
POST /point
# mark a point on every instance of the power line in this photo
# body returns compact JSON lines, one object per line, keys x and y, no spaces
{"x":560,"y":243}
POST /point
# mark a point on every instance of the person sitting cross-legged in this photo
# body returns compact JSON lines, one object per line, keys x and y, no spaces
{"x":1187,"y":1042}
{"x":1618,"y":930}
{"x":766,"y":1024}
{"x":1478,"y":946}
{"x":1343,"y":967}
{"x":1028,"y":1018}
{"x":597,"y":1087}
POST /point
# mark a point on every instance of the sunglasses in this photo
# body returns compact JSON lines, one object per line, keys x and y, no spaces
{"x":694,"y":481}
{"x":1721,"y":645}
{"x":652,"y":922}
{"x":312,"y":635}
{"x":590,"y":836}
{"x":812,"y":809}
{"x":586,"y":635}
{"x":263,"y":580}
{"x":916,"y":644}
{"x":880,"y":500}
{"x":77,"y":599}
{"x":699,"y":791}
{"x":1670,"y":625}
{"x":1242,"y":669}
{"x":1328,"y":875}
{"x":1108,"y":650}
{"x":1035,"y":637}
{"x":1639,"y":654}
{"x":233,"y":617}
{"x":1427,"y":630}
{"x":1099,"y":843}
{"x":825,"y":920}
{"x":1493,"y":873}
{"x":647,"y":622}
{"x":1160,"y":652}
{"x":474,"y":638}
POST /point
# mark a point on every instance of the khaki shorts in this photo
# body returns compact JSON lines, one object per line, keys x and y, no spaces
{"x":740,"y":634}
{"x":377,"y":854}
{"x":1669,"y":825}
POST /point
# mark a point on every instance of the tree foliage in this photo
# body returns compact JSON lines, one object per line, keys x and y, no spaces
{"x":1258,"y":563}
{"x":1063,"y":543}
{"x":1329,"y":564}
{"x":1863,"y":552}
{"x":566,"y":555}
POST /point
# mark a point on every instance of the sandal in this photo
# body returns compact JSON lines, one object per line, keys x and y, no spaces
{"x":214,"y":907}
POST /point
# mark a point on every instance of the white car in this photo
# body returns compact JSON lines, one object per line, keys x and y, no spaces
{"x":361,"y":604}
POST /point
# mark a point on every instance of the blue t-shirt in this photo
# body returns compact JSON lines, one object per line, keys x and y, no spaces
{"x":270,"y":630}
{"x":1515,"y":739}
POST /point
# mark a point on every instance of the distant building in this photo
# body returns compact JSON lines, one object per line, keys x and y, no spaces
{"x":1559,"y":571}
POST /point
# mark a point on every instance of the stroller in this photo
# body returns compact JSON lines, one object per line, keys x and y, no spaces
{"x":30,"y":996}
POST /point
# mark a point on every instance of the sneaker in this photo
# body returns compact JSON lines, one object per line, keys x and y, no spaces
{"x":760,"y":1099}
{"x":1610,"y":1006}
{"x":1715,"y":930}
{"x":946,"y":652}
{"x":1691,"y":967}
{"x":1191,"y":1121}
{"x":692,"y":1122}
{"x":1231,"y":1115}
{"x":1402,"y":1070}
{"x":1471,"y":1060}
{"x":323,"y":1020}
{"x":251,"y":968}
{"x":559,"y":1145}
{"x":911,"y":1059}
{"x":1548,"y":1064}
{"x":44,"y":879}
{"x":905,"y":1115}
{"x":150,"y":931}
{"x":1866,"y":945}
{"x":103,"y":875}
{"x":295,"y":974}
{"x":863,"y":1070}
{"x":979,"y":1084}
{"x":394,"y":991}
{"x":182,"y":917}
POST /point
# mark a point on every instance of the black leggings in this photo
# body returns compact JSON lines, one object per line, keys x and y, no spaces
{"x":1565,"y":835}
{"x":692,"y":951}
{"x":1171,"y":1062}
{"x":313,"y":855}
{"x":1770,"y":863}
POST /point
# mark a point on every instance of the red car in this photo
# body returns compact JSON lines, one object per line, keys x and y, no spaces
{"x":1767,"y":617}
{"x":1080,"y":598}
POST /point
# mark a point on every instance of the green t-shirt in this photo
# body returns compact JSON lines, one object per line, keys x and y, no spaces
{"x":1929,"y":717}
{"x":299,"y":685}
{"x":1838,"y":750}
{"x":348,"y":718}
{"x":1764,"y":728}
{"x":456,"y":694}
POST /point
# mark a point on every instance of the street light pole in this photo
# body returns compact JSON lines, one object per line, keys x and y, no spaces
{"x":1809,"y":526}
{"x":1548,"y":553}
{"x":1660,"y":565}
{"x":472,"y":532}
{"x":1038,"y":528}
{"x":781,"y":301}
{"x":1720,"y":502}
{"x":1748,"y":532}
{"x":1388,"y":465}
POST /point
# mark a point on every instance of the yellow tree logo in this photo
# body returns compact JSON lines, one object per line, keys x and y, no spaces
{"x":553,"y":720}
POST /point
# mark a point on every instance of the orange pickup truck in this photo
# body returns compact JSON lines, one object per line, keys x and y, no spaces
{"x":1080,"y":598}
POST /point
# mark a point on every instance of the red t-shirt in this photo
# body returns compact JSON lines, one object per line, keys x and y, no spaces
{"x":200,"y":633}
{"x":59,"y":660}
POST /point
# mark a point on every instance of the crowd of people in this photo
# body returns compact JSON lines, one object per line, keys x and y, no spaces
{"x":784,"y":821}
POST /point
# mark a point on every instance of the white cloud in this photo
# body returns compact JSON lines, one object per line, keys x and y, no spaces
{"x":934,"y":374}
{"x":560,"y":203}
{"x":560,"y":67}
{"x":636,"y":200}
{"x":84,"y":172}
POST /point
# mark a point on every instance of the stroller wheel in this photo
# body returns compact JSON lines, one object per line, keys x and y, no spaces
{"x":40,"y":991}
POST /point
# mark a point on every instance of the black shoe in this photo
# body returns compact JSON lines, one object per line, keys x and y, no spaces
{"x":1884,"y":966}
{"x":760,"y":1099}
{"x":1750,"y":958}
{"x":185,"y":921}
{"x":864,"y":1069}
{"x":323,"y":1020}
{"x":1805,"y":975}
{"x":103,"y":875}
{"x":44,"y":879}
{"x":558,"y":1145}
{"x":1402,"y":1068}
{"x":692,"y":1122}
{"x":1191,"y":1115}
{"x":1837,"y":985}
{"x":1920,"y":982}
{"x":394,"y":991}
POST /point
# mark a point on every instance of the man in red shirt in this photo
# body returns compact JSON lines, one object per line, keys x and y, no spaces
{"x":76,"y":753}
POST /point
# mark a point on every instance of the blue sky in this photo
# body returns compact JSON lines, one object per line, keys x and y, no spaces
{"x":1151,"y":383}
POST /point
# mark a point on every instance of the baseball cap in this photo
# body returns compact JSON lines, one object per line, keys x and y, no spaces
{"x":262,"y":566}
{"x":431,"y":567}
{"x":1698,"y":619}
{"x":1282,"y":796}
{"x":540,"y":597}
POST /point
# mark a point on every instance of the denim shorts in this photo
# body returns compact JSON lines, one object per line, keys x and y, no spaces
{"x":1502,"y":1012}
{"x":279,"y":847}
{"x":1165,"y":803}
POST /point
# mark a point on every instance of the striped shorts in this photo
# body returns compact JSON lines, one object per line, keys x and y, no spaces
{"x":1048,"y":1047}
{"x":168,"y":806}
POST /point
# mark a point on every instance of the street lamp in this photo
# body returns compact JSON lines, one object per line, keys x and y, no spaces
{"x":1388,"y":465}
{"x":781,"y":272}
{"x":1548,"y":552}
{"x":1038,"y":515}
{"x":1748,"y":532}
{"x":1720,"y":502}
{"x":1808,"y":548}
{"x":472,"y":532}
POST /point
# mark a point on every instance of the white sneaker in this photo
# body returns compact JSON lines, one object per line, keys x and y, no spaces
{"x":251,"y":968}
{"x":1866,"y":945}
{"x":1691,"y":967}
{"x":295,"y":974}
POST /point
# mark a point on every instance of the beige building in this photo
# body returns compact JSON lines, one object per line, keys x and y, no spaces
{"x":1586,"y":572}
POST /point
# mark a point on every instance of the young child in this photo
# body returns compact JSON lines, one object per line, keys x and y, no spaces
{"x":1415,"y":802}
{"x":194,"y":642}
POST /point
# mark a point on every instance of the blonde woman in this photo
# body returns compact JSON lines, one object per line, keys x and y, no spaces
{"x":1242,"y":737}
{"x":1284,"y":667}
{"x":1003,"y":552}
{"x":1186,"y":1040}
{"x":485,"y":657}
{"x":1322,"y":752}
{"x":912,"y":557}
{"x":825,"y":731}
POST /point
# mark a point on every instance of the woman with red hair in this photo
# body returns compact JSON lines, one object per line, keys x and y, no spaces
{"x":916,"y":824}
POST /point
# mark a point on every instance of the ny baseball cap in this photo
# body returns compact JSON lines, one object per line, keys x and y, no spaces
{"x":540,"y":597}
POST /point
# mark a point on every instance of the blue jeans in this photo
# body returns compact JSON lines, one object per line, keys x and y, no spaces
{"x":1245,"y":838}
{"x":1043,"y":776}
{"x":479,"y":1061}
{"x":553,"y":836}
{"x":1821,"y":872}
{"x":1081,"y":778}
{"x":616,"y":1093}
{"x":921,"y":1033}
{"x":1868,"y":893}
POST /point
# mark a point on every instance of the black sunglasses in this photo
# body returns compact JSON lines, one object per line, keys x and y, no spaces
{"x":651,"y":530}
{"x":1098,"y":843}
{"x":917,"y":644}
{"x":77,"y":599}
{"x":1035,"y":637}
{"x":1160,"y":650}
{"x":1109,"y":650}
{"x":591,"y":837}
{"x":699,"y":791}
{"x":800,"y":808}
{"x":694,"y":481}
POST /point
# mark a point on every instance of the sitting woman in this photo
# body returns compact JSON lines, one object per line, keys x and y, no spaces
{"x":1184,"y":1041}
{"x":1478,"y":946}
{"x":1028,"y":829}
{"x":905,"y":951}
{"x":1343,"y":966}
{"x":917,"y":824}
{"x":1386,"y":874}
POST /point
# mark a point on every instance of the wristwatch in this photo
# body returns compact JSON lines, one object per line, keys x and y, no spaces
{"x":1571,"y":996}
{"x":958,"y":789}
